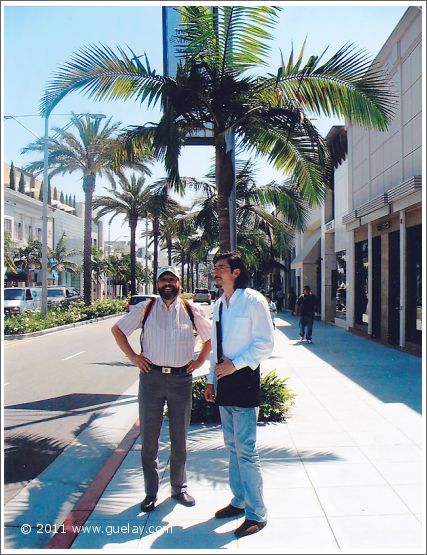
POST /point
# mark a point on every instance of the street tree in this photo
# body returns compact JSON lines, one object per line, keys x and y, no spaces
{"x":21,"y":184}
{"x":9,"y":252}
{"x":88,"y":151}
{"x":12,"y":183}
{"x":29,"y":257}
{"x":219,"y":87}
{"x":60,"y":258}
{"x":130,"y":200}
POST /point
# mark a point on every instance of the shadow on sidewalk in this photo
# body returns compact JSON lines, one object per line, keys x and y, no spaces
{"x":392,"y":376}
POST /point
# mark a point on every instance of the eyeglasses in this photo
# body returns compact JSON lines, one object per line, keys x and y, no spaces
{"x":221,"y":267}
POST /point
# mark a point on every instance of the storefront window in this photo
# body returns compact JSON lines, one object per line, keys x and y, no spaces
{"x":414,"y":282}
{"x":341,"y":286}
{"x":361,"y":283}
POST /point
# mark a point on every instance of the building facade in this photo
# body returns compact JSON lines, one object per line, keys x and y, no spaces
{"x":22,"y":217}
{"x":369,"y":238}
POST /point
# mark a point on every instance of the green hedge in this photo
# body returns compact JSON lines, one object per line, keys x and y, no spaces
{"x":28,"y":322}
{"x":276,"y":400}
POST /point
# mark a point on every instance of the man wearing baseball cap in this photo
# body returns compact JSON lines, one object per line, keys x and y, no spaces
{"x":165,"y":370}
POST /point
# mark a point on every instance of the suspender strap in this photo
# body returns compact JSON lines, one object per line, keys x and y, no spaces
{"x":189,"y":311}
{"x":219,"y":336}
{"x":147,"y":312}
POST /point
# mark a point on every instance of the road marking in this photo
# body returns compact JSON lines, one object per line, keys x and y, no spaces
{"x":72,"y":356}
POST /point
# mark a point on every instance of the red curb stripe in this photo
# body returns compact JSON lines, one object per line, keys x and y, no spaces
{"x":86,"y":504}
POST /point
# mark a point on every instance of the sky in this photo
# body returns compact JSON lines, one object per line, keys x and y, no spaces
{"x":38,"y":37}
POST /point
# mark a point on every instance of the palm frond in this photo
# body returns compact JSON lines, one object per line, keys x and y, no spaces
{"x":348,"y":85}
{"x":302,"y":154}
{"x":103,"y":75}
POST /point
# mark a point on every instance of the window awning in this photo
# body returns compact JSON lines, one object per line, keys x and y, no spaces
{"x":308,"y":252}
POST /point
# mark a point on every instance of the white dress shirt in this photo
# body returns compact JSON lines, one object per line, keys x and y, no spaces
{"x":247,"y":330}
{"x":168,"y":332}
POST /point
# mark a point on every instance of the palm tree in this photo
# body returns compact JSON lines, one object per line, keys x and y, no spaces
{"x":160,"y":206}
{"x":131,"y":202}
{"x":214,"y":90}
{"x":168,"y":231}
{"x":119,"y":269}
{"x":257,"y":226}
{"x":29,"y":257}
{"x":9,"y":251}
{"x":59,"y":258}
{"x":100,"y":265}
{"x":90,"y":152}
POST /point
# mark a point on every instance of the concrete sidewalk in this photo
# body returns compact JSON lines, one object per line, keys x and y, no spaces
{"x":344,"y":473}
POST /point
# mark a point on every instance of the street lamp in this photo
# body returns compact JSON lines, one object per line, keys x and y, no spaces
{"x":146,"y":256}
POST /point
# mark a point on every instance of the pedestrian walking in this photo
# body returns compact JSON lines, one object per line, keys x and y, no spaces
{"x":242,"y":337}
{"x":305,"y":308}
{"x":279,"y":299}
{"x":272,"y":308}
{"x":292,"y":299}
{"x":165,"y":364}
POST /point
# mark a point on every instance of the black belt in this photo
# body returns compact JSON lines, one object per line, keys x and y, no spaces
{"x":170,"y":369}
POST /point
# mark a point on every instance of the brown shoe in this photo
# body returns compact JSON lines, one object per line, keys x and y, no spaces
{"x":229,"y":511}
{"x":249,"y":527}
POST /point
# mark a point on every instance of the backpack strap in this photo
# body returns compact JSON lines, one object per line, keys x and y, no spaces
{"x":190,"y":312}
{"x":147,"y":313}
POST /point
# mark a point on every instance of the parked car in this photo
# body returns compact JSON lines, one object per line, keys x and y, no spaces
{"x":21,"y":299}
{"x":201,"y":296}
{"x":61,"y":295}
{"x":139,"y":298}
{"x":213,"y":293}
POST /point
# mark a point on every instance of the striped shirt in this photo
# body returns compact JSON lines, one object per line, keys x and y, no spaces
{"x":168,"y":332}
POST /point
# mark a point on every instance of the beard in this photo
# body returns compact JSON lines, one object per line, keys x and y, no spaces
{"x":170,"y":294}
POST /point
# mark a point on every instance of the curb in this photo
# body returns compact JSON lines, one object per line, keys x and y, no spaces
{"x":57,"y":328}
{"x":69,"y":529}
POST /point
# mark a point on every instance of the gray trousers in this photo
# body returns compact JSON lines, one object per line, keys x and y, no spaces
{"x":154,"y":389}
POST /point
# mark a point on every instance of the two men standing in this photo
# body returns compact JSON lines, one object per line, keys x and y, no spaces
{"x":242,"y":336}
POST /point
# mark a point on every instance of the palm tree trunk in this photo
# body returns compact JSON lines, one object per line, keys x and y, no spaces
{"x":197,"y":274}
{"x":169,"y":247}
{"x":182,"y":267}
{"x":132,"y":224}
{"x":188,"y":275}
{"x":192,"y":275}
{"x":89,"y":188}
{"x":224,"y":178}
{"x":156,"y":233}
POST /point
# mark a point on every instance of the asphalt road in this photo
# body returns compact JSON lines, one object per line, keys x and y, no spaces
{"x":54,"y":386}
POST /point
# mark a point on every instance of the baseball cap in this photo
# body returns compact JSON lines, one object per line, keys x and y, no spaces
{"x":169,"y":269}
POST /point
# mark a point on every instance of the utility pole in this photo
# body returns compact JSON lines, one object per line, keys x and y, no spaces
{"x":146,"y":256}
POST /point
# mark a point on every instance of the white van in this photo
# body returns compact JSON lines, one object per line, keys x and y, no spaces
{"x":21,"y":299}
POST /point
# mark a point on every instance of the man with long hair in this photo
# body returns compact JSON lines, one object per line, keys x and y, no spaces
{"x":242,"y":336}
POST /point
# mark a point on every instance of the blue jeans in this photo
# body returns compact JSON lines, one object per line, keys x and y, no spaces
{"x":306,"y":322}
{"x":239,"y":429}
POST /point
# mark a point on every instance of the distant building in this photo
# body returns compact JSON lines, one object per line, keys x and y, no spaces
{"x":23,"y":220}
{"x":361,"y":252}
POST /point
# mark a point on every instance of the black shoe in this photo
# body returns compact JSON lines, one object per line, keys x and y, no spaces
{"x":249,"y":527}
{"x":229,"y":511}
{"x":184,"y":498}
{"x":148,"y":504}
